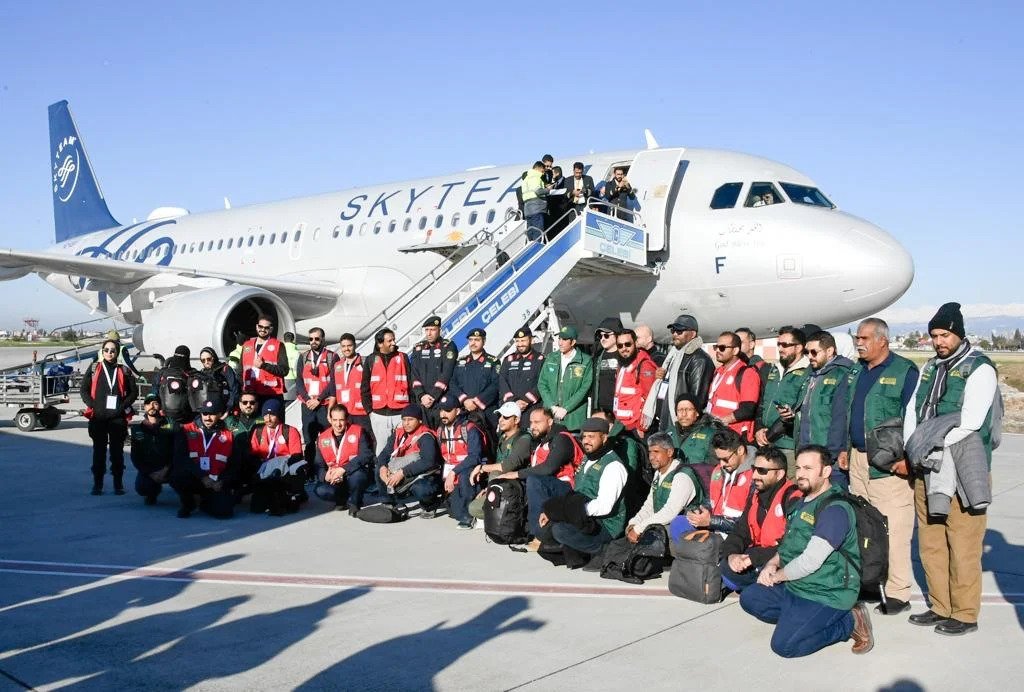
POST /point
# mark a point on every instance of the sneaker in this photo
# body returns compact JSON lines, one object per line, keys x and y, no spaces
{"x":428,"y":514}
{"x":955,"y":628}
{"x":467,"y":524}
{"x":863,"y":639}
{"x":892,"y":606}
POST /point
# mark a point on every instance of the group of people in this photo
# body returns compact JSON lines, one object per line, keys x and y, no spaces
{"x":608,"y":444}
{"x":547,"y":195}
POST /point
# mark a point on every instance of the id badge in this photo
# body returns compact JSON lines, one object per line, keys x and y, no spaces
{"x":345,"y":396}
{"x":111,"y":402}
{"x":662,"y":390}
{"x":313,"y":389}
{"x":204,"y":463}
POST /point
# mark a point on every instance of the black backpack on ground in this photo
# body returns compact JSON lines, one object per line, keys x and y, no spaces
{"x":872,"y":540}
{"x":505,"y":512}
{"x":645,"y":559}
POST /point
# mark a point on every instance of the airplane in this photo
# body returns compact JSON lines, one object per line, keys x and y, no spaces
{"x":730,"y":238}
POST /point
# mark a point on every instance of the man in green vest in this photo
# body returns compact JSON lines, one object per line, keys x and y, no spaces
{"x":594,"y":514}
{"x":692,"y":432}
{"x":784,"y":381}
{"x":821,"y":418}
{"x":880,"y":386}
{"x":809,"y":589}
{"x":566,"y":379}
{"x":960,"y":380}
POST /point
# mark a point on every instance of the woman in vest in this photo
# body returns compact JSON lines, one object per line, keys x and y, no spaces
{"x":108,"y":391}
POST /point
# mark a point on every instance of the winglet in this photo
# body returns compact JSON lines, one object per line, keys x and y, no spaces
{"x":78,"y":204}
{"x":652,"y":143}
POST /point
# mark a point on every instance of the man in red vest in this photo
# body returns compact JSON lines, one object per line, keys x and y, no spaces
{"x":735,"y":388}
{"x":385,"y":387}
{"x":314,"y":388}
{"x":348,"y":382}
{"x":278,"y":486}
{"x":634,"y":380}
{"x":755,"y":538}
{"x":207,"y":458}
{"x":344,"y":450}
{"x":462,"y":448}
{"x":108,"y":391}
{"x":264,"y":363}
{"x":409,"y":466}
{"x":729,"y":487}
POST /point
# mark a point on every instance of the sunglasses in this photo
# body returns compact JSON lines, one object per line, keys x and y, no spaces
{"x":763,"y":470}
{"x":625,"y":344}
{"x":722,"y":347}
{"x":676,"y":331}
{"x":246,"y":403}
{"x":110,"y":350}
{"x":814,"y":351}
{"x":786,"y":344}
{"x":262,"y":326}
{"x":605,"y":335}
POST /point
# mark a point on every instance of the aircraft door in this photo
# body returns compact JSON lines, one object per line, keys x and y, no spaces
{"x":653,"y":175}
{"x":295,"y":242}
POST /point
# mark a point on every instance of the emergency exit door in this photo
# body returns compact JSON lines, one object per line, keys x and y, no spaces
{"x":654,"y":176}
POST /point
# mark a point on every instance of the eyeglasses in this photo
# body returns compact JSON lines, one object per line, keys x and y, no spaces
{"x":624,"y":344}
{"x":786,"y":344}
{"x":763,"y":470}
{"x":110,"y":350}
{"x":723,"y":347}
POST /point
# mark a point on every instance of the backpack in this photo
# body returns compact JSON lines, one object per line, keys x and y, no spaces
{"x":872,"y":539}
{"x":695,"y":574}
{"x":174,"y":393}
{"x":505,"y":512}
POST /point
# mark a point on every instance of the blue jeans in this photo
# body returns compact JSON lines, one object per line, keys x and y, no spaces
{"x":540,"y":489}
{"x":737,"y":581}
{"x":569,"y":535}
{"x":801,"y":626}
{"x":534,"y":226}
{"x":462,"y":495}
{"x":350,"y":492}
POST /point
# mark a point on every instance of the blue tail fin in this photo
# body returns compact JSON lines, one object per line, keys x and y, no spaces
{"x":78,"y":205}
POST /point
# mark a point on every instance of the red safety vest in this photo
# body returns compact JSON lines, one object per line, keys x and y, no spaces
{"x":389,"y":386}
{"x":632,"y":385}
{"x":769,"y":533}
{"x":406,"y":443}
{"x":261,"y":382}
{"x":284,"y":442}
{"x":454,"y":450}
{"x":346,"y":388}
{"x":729,"y":500}
{"x":212,"y":459}
{"x":316,"y":375}
{"x":741,"y":382}
{"x":341,"y":455}
{"x":568,"y":471}
{"x":98,"y":372}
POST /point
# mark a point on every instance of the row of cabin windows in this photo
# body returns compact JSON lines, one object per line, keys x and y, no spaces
{"x":263,"y":238}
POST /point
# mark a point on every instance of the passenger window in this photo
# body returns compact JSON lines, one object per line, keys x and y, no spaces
{"x":725,"y":197}
{"x":423,"y":222}
{"x":273,"y":238}
{"x":376,"y":228}
{"x":284,"y":237}
{"x":392,"y":226}
{"x":298,"y":236}
{"x":192,"y":248}
{"x":407,"y":225}
{"x":252,"y":239}
{"x":472,"y":218}
{"x":336,"y":232}
{"x":763,"y":195}
{"x":231,"y":241}
{"x":438,"y":221}
{"x":262,"y":238}
{"x":490,"y":216}
{"x":362,"y":228}
{"x":348,"y":230}
{"x":316,"y":233}
{"x":220,"y":244}
{"x":455,"y":219}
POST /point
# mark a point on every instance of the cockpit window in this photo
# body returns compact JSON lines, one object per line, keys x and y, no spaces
{"x":763,"y":195}
{"x":725,"y":197}
{"x":802,"y":194}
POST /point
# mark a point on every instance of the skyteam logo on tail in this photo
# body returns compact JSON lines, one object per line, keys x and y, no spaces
{"x":65,"y":168}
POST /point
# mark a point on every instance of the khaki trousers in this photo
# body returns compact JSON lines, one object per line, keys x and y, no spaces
{"x":894,"y":497}
{"x":950,"y":549}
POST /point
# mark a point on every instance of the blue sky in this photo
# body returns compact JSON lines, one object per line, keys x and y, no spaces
{"x":908,"y":114}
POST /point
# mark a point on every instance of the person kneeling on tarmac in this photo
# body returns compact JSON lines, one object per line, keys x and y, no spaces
{"x":207,"y":457}
{"x":408,"y":468}
{"x":152,"y":442}
{"x":345,"y":451}
{"x":512,"y":454}
{"x":594,"y":514}
{"x":278,"y":486}
{"x":463,"y":449}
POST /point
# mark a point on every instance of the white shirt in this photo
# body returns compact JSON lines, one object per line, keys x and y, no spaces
{"x":609,"y":487}
{"x":679,"y":496}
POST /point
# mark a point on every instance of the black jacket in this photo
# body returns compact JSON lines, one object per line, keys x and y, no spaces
{"x":738,"y":541}
{"x":98,"y":403}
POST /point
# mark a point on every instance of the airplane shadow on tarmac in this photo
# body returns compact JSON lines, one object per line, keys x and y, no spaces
{"x":424,"y":654}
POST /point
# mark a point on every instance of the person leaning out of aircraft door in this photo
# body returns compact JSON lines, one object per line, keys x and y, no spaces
{"x":264,"y":363}
{"x":432,"y":364}
{"x":566,"y":379}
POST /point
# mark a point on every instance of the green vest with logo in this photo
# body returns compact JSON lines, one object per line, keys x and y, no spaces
{"x":697,"y":445}
{"x":663,"y":489}
{"x":783,"y":390}
{"x":836,"y":583}
{"x":817,"y":396}
{"x":952,"y":399}
{"x":587,"y":481}
{"x":884,"y":399}
{"x":505,"y":445}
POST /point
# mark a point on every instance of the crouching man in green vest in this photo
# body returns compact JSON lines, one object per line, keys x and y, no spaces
{"x":809,"y":589}
{"x":589,"y":518}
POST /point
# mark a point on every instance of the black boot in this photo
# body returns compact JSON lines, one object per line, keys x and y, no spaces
{"x":118,"y":485}
{"x":97,"y":485}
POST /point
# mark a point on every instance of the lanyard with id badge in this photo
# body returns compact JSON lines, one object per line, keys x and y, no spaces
{"x":204,"y":461}
{"x":111,"y":387}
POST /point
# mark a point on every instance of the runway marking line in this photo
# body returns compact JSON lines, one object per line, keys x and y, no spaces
{"x":76,"y":569}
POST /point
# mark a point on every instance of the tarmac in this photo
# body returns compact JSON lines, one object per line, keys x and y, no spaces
{"x":101,"y":593}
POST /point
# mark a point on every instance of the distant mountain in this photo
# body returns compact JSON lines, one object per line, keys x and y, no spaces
{"x":982,"y":326}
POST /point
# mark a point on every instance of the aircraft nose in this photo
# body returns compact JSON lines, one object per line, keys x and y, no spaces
{"x":877,"y":269}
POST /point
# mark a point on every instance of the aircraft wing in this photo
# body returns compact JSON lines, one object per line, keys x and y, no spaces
{"x":14,"y":264}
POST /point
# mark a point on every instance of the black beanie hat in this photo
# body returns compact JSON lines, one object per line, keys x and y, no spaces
{"x":949,"y":318}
